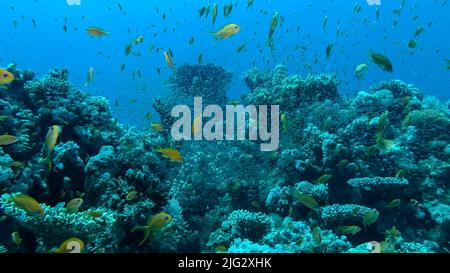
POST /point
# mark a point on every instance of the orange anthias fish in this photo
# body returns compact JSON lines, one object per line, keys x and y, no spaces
{"x":155,"y":224}
{"x":227,"y":31}
{"x":5,"y":76}
{"x":173,"y":154}
{"x":7,"y":140}
{"x":168,"y":59}
{"x":96,"y":32}
{"x":50,"y":143}
{"x":27,"y":203}
{"x":72,"y":245}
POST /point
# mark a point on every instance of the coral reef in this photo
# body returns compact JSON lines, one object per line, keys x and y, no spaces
{"x":350,"y":171}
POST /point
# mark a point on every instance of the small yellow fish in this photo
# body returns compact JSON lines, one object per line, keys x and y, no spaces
{"x":16,"y":164}
{"x":138,"y":40}
{"x":305,"y":199}
{"x":394,"y":204}
{"x":128,"y":49}
{"x":27,"y":203}
{"x":94,"y":214}
{"x":381,"y":126}
{"x":172,"y":154}
{"x":15,"y":238}
{"x":7,"y":140}
{"x":408,"y":120}
{"x":316,"y":236}
{"x":132,"y":195}
{"x":5,"y":76}
{"x":227,"y":31}
{"x":384,"y":145}
{"x":4,"y":118}
{"x":168,"y":59}
{"x":155,"y":224}
{"x":323,"y":179}
{"x":49,"y":144}
{"x":370,"y":217}
{"x":381,"y":61}
{"x":96,"y":32}
{"x":272,"y":28}
{"x":349,"y":230}
{"x":72,"y":245}
{"x":221,"y":248}
{"x":157,"y":127}
{"x":401,"y":173}
{"x":214,"y":14}
{"x":90,"y":76}
{"x":74,"y":205}
{"x":360,"y":70}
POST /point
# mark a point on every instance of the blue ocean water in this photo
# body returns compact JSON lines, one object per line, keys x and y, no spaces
{"x":47,"y":45}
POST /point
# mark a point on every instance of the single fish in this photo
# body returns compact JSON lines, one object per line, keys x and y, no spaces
{"x":96,"y":32}
{"x":157,"y":127}
{"x":131,"y":196}
{"x":305,"y":199}
{"x":381,"y":61}
{"x":360,"y":70}
{"x":240,"y":48}
{"x":328,"y":50}
{"x":138,"y":40}
{"x":317,"y":236}
{"x":128,"y":49}
{"x":349,"y":230}
{"x":227,"y":31}
{"x":419,"y":31}
{"x":394,"y":204}
{"x":323,"y":179}
{"x":168,"y":59}
{"x":155,"y":224}
{"x":90,"y":76}
{"x":5,"y":76}
{"x":214,"y":14}
{"x":370,"y":218}
{"x":16,"y":239}
{"x":74,"y":205}
{"x":385,"y":145}
{"x":94,"y":214}
{"x":27,"y":203}
{"x":172,"y":154}
{"x":7,"y":140}
{"x":49,"y":144}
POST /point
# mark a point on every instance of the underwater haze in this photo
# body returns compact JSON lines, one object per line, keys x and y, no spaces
{"x":89,"y":163}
